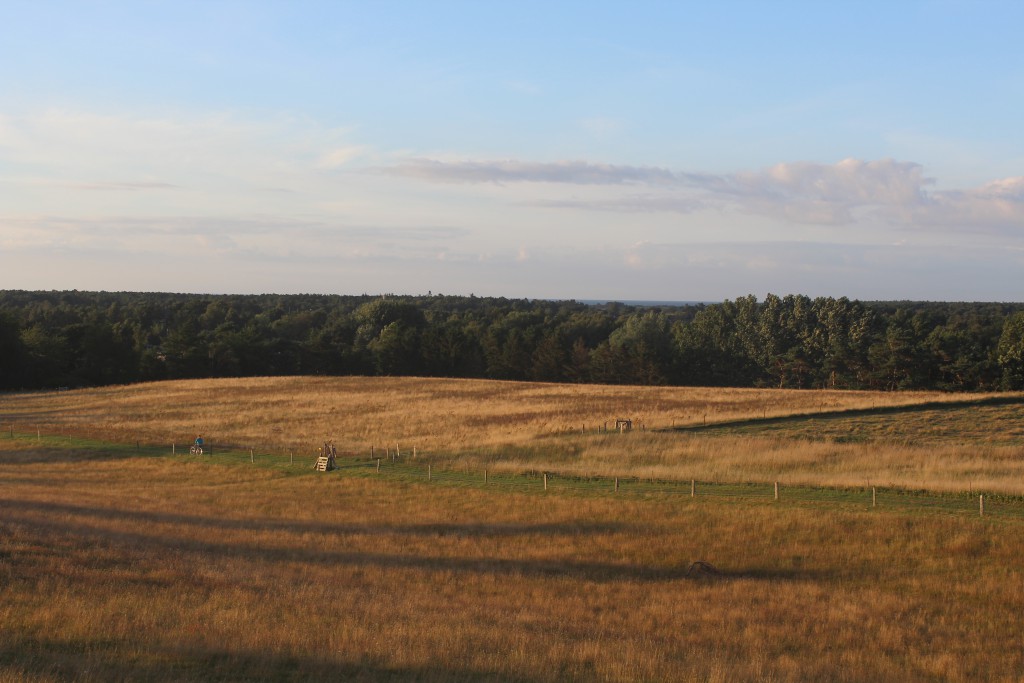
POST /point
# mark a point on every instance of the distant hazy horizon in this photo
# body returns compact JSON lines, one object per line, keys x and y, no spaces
{"x":640,"y":151}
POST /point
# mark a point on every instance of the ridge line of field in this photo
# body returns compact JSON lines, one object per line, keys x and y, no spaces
{"x":849,"y":412}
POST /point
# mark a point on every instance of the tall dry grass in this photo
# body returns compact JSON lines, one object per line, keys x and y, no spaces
{"x":508,"y":425}
{"x":297,"y":413}
{"x":948,"y":467}
{"x":170,"y":570}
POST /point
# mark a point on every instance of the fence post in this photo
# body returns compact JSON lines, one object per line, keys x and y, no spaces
{"x":291,"y":457}
{"x":251,"y":458}
{"x":616,"y":484}
{"x":172,"y":449}
{"x":485,"y":475}
{"x":428,"y":473}
{"x":776,"y":490}
{"x":693,"y":488}
{"x":872,"y":496}
{"x":981,"y":505}
{"x":545,"y":481}
{"x":378,"y":464}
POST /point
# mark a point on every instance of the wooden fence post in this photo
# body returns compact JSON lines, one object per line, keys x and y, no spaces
{"x":428,"y":473}
{"x":252,"y":459}
{"x":616,"y":484}
{"x":485,"y":475}
{"x":693,"y":488}
{"x":545,"y":481}
{"x":378,"y":464}
{"x":291,"y":457}
{"x":873,"y":499}
{"x":981,"y":505}
{"x":776,"y":490}
{"x":172,"y":449}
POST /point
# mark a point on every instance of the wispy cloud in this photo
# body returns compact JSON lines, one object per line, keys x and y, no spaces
{"x":847,"y":192}
{"x":124,"y":187}
{"x":512,"y":171}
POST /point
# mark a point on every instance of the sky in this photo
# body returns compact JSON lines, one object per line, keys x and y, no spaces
{"x":694,"y":151}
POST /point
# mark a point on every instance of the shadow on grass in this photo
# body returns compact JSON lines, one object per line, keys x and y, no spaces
{"x":312,"y":526}
{"x":853,"y":412}
{"x":37,"y":658}
{"x":62,"y":522}
{"x":68,"y":455}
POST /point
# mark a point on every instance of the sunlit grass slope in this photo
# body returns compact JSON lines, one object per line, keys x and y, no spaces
{"x":170,"y":569}
{"x":513,"y":426}
{"x":438,"y":414}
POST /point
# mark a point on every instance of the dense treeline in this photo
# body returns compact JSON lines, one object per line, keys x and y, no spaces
{"x":52,"y":339}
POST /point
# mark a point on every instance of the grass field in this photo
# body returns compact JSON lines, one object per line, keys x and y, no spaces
{"x":956,"y":444}
{"x":116,"y":566}
{"x":122,"y":562}
{"x":295,"y":413}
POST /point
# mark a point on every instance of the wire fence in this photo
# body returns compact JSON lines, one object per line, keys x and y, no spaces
{"x":408,"y":467}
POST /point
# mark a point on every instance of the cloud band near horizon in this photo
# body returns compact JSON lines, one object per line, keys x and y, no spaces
{"x":886,"y":190}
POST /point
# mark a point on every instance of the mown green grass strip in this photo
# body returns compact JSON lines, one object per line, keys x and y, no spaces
{"x":409,"y":471}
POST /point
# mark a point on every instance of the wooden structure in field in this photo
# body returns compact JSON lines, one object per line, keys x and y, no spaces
{"x":623,"y":426}
{"x":327,"y":458}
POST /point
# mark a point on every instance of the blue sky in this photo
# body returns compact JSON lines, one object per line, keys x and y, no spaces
{"x":693,"y":151}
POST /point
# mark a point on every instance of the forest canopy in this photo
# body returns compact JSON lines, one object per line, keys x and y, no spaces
{"x":73,"y":339}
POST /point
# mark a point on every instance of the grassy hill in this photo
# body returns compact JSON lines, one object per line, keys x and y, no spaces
{"x":931,"y":440}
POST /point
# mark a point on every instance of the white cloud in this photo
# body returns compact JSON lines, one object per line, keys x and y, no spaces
{"x":844,"y":193}
{"x":89,"y":150}
{"x":512,"y":171}
{"x":336,"y":158}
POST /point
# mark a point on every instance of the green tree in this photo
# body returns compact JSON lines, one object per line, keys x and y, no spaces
{"x":1010,"y":352}
{"x":12,"y":353}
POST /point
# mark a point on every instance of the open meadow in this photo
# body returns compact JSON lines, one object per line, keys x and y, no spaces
{"x":120,"y":561}
{"x":948,"y":442}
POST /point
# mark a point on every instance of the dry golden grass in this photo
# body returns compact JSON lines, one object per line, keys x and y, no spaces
{"x":163,"y":569}
{"x":944,"y":467}
{"x":514,"y":426}
{"x":295,"y":413}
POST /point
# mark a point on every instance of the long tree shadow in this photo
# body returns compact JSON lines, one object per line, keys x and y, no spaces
{"x":69,"y":453}
{"x":58,"y":521}
{"x":852,"y":412}
{"x":298,"y":527}
{"x":47,"y":659}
